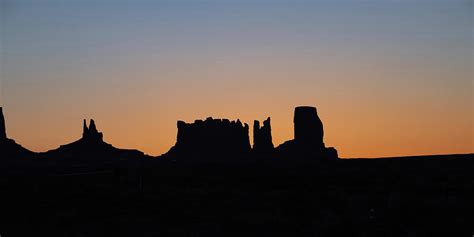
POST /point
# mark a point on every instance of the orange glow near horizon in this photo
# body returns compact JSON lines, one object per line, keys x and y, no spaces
{"x":156,"y":140}
{"x":388,"y":79}
{"x":358,"y":125}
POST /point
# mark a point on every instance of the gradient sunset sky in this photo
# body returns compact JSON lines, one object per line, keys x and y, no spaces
{"x":389,"y":78}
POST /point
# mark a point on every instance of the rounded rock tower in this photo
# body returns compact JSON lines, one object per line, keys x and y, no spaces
{"x":308,"y":127}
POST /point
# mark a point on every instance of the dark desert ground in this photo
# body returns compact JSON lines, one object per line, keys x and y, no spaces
{"x":212,"y":183}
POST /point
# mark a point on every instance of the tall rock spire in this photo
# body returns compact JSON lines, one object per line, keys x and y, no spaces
{"x":92,"y":127}
{"x":309,"y":135}
{"x":308,"y":127}
{"x":3,"y":133}
{"x":262,"y":136}
{"x":85,"y":130}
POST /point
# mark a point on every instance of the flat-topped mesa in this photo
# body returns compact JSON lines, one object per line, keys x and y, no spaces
{"x":308,"y":127}
{"x":262,"y":137}
{"x":90,"y":133}
{"x":211,"y":138}
{"x":3,"y":132}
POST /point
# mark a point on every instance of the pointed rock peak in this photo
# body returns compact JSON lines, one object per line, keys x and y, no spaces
{"x":84,"y":128}
{"x":266,"y":123}
{"x":3,"y":133}
{"x":92,"y":127}
{"x":91,"y":133}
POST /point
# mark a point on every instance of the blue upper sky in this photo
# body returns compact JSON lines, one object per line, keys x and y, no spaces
{"x":168,"y":60}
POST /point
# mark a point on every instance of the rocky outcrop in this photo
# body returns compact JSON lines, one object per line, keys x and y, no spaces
{"x":216,"y":139}
{"x":309,"y":137}
{"x":90,"y":133}
{"x":91,"y":148}
{"x":308,"y":127}
{"x":3,"y":133}
{"x":262,"y":137}
{"x":10,"y":151}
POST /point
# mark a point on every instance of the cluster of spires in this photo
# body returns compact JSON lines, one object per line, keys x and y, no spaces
{"x":91,"y":133}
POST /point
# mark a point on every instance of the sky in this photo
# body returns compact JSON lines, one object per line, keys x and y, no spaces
{"x":389,"y":78}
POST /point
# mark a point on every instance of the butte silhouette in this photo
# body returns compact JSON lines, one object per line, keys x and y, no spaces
{"x":221,"y":140}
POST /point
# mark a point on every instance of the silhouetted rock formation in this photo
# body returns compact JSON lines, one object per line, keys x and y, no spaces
{"x":3,"y":133}
{"x":308,"y":127}
{"x":10,"y":151}
{"x":216,"y":139}
{"x":262,"y":137}
{"x":92,"y":148}
{"x":91,"y":133}
{"x":220,"y":140}
{"x":309,"y":135}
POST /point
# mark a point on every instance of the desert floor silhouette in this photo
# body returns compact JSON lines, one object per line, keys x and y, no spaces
{"x":214,"y":182}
